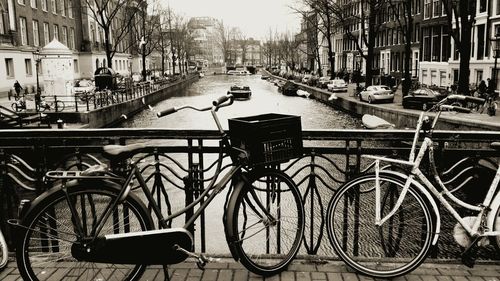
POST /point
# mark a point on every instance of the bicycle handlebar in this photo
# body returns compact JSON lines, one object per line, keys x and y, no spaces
{"x":454,"y":108}
{"x":166,"y":112}
{"x":465,"y":98}
{"x":216,"y":104}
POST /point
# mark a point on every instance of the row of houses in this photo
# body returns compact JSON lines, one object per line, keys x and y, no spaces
{"x":26,"y":26}
{"x":434,"y":56}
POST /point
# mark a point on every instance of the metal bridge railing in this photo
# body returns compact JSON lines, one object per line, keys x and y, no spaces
{"x":187,"y":157}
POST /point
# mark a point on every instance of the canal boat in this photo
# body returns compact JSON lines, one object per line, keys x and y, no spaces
{"x":288,"y":88}
{"x":264,"y":77}
{"x":238,"y":72}
{"x":240,"y":92}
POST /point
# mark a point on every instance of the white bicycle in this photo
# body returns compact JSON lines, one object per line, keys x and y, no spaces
{"x":4,"y":252}
{"x":383,"y":224}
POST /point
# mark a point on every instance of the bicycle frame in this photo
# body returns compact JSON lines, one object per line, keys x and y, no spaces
{"x":491,"y":202}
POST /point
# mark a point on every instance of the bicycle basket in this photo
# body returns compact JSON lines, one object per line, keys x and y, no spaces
{"x":267,"y":138}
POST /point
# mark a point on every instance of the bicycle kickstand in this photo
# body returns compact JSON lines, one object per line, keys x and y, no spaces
{"x":165,"y":272}
{"x":469,"y":256}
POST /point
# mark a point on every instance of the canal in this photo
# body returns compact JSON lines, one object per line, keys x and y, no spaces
{"x":265,"y":98}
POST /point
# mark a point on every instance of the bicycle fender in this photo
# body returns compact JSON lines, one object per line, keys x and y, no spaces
{"x":228,"y":219}
{"x":495,"y":204}
{"x":427,"y":194}
{"x":68,"y":184}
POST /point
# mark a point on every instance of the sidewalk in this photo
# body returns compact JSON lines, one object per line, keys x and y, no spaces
{"x":226,"y":270}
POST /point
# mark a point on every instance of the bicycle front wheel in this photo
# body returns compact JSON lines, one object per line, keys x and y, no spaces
{"x":59,"y":106}
{"x":49,"y":230}
{"x":4,"y":252}
{"x":396,"y":247}
{"x":267,"y":217}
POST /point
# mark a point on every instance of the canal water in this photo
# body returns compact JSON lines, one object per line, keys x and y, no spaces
{"x":265,"y":99}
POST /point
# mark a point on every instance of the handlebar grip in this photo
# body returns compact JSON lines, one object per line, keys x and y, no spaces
{"x":474,"y":99}
{"x":220,"y":100}
{"x":166,"y":112}
{"x":461,"y":109}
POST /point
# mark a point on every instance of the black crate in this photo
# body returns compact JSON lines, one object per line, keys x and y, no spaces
{"x":267,"y":138}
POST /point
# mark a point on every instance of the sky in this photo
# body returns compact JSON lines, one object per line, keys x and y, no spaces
{"x":253,"y":17}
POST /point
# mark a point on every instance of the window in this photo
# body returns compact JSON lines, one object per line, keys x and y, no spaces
{"x":33,"y":4}
{"x":53,"y":6}
{"x":427,"y":44}
{"x":28,"y":67}
{"x":22,"y":27}
{"x":46,"y":34}
{"x":70,"y":9}
{"x":427,"y":8}
{"x":75,"y":66}
{"x":71,"y":43}
{"x":36,"y":34}
{"x":44,"y":5}
{"x":483,"y":5}
{"x":63,"y":8}
{"x":56,"y":32}
{"x":64,"y":38}
{"x":436,"y":43}
{"x":480,"y":41}
{"x":2,"y":27}
{"x":9,"y":67}
{"x":437,"y":8}
{"x":498,"y":7}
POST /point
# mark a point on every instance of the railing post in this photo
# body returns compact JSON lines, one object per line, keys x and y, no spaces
{"x":76,"y":103}
{"x":55,"y":103}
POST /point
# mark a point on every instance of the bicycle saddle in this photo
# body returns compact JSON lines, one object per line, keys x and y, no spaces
{"x":121,"y":151}
{"x":495,"y":145}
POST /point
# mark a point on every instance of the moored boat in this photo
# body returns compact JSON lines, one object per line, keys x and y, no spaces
{"x":240,"y":92}
{"x":374,"y":122}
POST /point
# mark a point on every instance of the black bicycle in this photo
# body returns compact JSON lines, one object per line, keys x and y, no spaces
{"x":97,"y":229}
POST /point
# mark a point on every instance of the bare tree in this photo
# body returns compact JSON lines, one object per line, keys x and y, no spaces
{"x":324,"y":22}
{"x":358,"y":21}
{"x":114,"y":17}
{"x":405,"y":22}
{"x":461,"y":15}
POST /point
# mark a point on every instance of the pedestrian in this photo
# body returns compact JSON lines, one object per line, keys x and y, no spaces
{"x":491,"y":89}
{"x":482,"y":88}
{"x":17,"y":88}
{"x":38,"y":99}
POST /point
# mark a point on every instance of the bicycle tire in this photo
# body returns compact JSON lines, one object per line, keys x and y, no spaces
{"x":496,"y":227}
{"x":60,"y":106}
{"x":4,"y":252}
{"x":384,"y":253}
{"x":262,"y":248}
{"x":49,"y":227}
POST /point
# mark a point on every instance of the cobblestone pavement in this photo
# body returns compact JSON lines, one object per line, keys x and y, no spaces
{"x":226,"y":270}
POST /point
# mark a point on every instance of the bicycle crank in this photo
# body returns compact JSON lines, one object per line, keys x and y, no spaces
{"x":201,"y":260}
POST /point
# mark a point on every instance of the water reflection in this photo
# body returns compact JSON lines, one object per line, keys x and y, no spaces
{"x":265,"y":98}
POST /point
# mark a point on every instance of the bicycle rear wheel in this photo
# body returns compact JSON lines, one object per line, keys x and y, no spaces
{"x":4,"y":252}
{"x":396,"y":247}
{"x":267,"y":217}
{"x":44,"y":250}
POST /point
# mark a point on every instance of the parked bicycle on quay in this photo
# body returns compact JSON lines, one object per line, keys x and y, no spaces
{"x":383,"y":224}
{"x":100,"y":229}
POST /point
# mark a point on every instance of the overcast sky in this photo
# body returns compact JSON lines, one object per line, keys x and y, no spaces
{"x":253,"y":17}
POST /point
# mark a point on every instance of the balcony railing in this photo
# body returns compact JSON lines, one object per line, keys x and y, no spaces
{"x":330,"y":158}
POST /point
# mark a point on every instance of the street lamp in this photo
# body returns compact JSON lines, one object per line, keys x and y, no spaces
{"x":143,"y":41}
{"x":36,"y":55}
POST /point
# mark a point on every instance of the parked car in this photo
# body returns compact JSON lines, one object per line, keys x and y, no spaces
{"x":422,"y":99}
{"x":337,"y":85}
{"x":377,"y":93}
{"x":323,"y":81}
{"x":313,"y":81}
